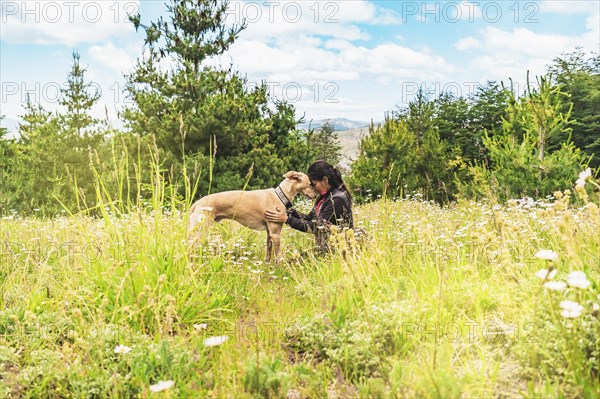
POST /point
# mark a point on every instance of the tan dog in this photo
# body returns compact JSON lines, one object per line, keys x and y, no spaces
{"x":248,"y":208}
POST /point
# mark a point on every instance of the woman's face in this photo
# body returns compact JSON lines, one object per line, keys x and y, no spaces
{"x":321,"y":186}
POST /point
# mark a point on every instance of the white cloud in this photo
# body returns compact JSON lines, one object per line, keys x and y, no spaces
{"x":446,"y":11}
{"x":503,"y":54}
{"x":570,"y":6}
{"x":116,"y":59}
{"x":309,"y":42}
{"x":315,"y":52}
{"x":467,"y":43}
{"x":64,"y":22}
{"x":274,"y":20}
{"x":524,"y":42}
{"x":336,"y":60}
{"x":326,"y":49}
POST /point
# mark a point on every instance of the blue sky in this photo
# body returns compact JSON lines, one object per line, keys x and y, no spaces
{"x":354,"y":59}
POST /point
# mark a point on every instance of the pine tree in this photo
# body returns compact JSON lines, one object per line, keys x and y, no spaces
{"x":520,"y":164}
{"x":326,"y":144}
{"x":418,"y":115}
{"x":195,"y":111}
{"x":78,"y":98}
{"x":578,"y":75}
{"x":386,"y":163}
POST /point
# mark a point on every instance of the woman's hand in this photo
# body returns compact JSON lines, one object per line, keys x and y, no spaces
{"x":276,"y":215}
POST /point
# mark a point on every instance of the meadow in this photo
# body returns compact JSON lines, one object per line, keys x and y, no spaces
{"x":467,"y":300}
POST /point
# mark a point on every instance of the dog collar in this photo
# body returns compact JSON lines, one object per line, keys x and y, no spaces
{"x":283,"y":198}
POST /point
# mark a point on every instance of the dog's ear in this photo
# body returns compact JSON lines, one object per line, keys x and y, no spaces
{"x":292,"y":175}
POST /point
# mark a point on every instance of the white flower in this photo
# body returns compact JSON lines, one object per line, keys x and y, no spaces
{"x":544,"y":274}
{"x":201,"y":326}
{"x":547,"y":254}
{"x":595,"y":307}
{"x":570,"y":309}
{"x":122,"y":349}
{"x":578,"y":279}
{"x":215,"y":341}
{"x":162,"y":386}
{"x":556,"y":285}
{"x":583,"y":176}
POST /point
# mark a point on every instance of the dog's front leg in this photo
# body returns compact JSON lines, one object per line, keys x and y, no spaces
{"x":274,"y":232}
{"x":269,"y":247}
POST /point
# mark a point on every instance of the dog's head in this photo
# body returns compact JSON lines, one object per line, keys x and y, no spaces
{"x":300,"y":183}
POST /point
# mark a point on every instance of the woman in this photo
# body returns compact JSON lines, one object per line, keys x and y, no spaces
{"x":332,"y":206}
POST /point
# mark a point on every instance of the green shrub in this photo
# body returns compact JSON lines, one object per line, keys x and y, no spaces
{"x":358,"y":345}
{"x":265,"y":377}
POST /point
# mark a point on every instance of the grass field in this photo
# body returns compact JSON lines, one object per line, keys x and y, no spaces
{"x":439,"y":302}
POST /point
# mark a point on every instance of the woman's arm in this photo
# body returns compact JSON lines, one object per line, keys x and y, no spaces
{"x":334,"y":210}
{"x":301,"y":222}
{"x":292,"y":217}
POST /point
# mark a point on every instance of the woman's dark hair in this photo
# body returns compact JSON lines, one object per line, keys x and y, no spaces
{"x":321,"y":169}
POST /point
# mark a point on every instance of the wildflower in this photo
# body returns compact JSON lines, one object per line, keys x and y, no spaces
{"x":570,"y":309}
{"x":122,"y":349}
{"x":556,"y":285}
{"x":583,"y":176}
{"x":201,"y":326}
{"x":595,"y":307}
{"x":214,"y":341}
{"x":162,"y":386}
{"x":546,"y":274}
{"x":547,"y":254}
{"x":578,"y":279}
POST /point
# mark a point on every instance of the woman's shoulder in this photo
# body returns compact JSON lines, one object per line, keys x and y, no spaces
{"x":340,"y":195}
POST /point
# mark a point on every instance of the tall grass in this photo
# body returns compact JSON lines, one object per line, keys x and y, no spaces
{"x":439,"y":302}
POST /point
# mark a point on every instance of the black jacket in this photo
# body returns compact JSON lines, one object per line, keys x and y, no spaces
{"x":336,"y":209}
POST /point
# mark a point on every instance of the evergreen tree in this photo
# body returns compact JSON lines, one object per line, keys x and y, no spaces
{"x":38,"y":177}
{"x":579,"y":76}
{"x":520,"y":164}
{"x":7,"y":148}
{"x":326,"y":144}
{"x":78,"y":98}
{"x":386,"y":163}
{"x":432,"y":153}
{"x":418,"y":115}
{"x":196,"y":111}
{"x":52,"y":154}
{"x":487,"y":109}
{"x":545,"y":114}
{"x":3,"y":130}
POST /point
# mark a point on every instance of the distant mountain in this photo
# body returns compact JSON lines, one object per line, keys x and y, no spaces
{"x":350,"y":140}
{"x":339,"y":124}
{"x":349,"y":133}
